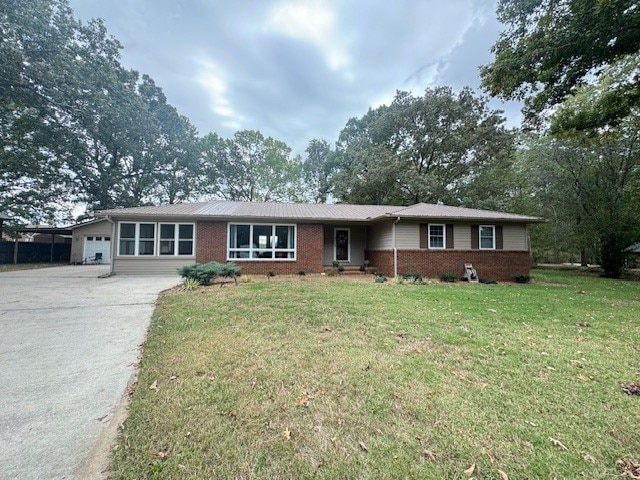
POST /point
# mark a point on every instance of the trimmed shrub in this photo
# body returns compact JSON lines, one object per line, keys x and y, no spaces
{"x":519,"y":278}
{"x":205,"y":273}
{"x":270,"y":274}
{"x":448,"y":277}
{"x":380,"y":278}
{"x":412,"y":278}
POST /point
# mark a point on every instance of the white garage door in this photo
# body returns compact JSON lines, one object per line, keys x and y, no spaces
{"x":97,"y":244}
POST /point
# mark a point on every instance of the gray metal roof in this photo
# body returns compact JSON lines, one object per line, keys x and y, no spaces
{"x":308,"y":211}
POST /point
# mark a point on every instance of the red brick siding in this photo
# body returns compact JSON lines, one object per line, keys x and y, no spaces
{"x":490,"y":264}
{"x":211,"y":246}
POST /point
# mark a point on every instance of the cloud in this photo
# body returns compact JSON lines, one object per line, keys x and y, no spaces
{"x":296,"y":69}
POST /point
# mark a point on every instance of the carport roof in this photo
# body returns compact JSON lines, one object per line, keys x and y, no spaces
{"x":45,"y":230}
{"x":306,"y":211}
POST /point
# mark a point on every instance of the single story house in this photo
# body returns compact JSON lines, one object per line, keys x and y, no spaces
{"x":287,"y":238}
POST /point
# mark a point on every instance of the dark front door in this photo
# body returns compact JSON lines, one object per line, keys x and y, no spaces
{"x":342,"y":244}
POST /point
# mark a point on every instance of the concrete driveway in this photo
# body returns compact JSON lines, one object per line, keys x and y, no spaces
{"x":68,"y":346}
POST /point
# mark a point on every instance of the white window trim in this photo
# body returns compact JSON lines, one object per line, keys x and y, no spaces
{"x":493,"y":229}
{"x":176,"y":239}
{"x":272,"y":249}
{"x":444,"y":236}
{"x":156,"y":239}
{"x":335,"y":245}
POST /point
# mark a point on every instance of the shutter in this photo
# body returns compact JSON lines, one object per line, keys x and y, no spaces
{"x":449,"y":235}
{"x":475,"y":237}
{"x":499,"y":238}
{"x":424,"y":235}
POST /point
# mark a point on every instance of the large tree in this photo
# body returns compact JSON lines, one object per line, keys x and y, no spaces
{"x":318,"y":169}
{"x":253,"y":168}
{"x":420,"y":149}
{"x":551,"y":47}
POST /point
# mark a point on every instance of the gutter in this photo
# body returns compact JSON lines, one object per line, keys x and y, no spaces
{"x":113,"y":242}
{"x":395,"y":250}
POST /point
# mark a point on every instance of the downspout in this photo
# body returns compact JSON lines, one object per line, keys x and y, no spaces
{"x":113,"y":243}
{"x":395,"y":250}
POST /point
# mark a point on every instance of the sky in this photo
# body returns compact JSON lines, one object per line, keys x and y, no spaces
{"x":298,"y":69}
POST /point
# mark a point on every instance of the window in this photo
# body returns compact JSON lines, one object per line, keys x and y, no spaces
{"x":142,"y":238}
{"x":127,"y":239}
{"x":147,"y":239}
{"x":98,"y":239}
{"x":437,"y":236}
{"x":176,"y":234}
{"x":262,"y":242}
{"x":487,"y":237}
{"x":89,"y":239}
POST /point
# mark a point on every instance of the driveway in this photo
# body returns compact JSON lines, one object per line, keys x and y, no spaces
{"x":68,"y":347}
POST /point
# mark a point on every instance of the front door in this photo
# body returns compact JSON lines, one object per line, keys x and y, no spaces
{"x":341,"y":244}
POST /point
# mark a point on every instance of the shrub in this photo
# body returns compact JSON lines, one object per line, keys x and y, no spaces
{"x":229,"y":270}
{"x":412,"y":277}
{"x":204,"y":273}
{"x":519,"y":278}
{"x":380,"y":278}
{"x":270,"y":274}
{"x":302,"y":273}
{"x":335,"y":263}
{"x":448,"y":277}
{"x":246,"y":279}
{"x":331,"y":272}
{"x":340,"y":268}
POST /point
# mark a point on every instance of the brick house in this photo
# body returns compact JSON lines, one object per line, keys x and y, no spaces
{"x":287,"y":238}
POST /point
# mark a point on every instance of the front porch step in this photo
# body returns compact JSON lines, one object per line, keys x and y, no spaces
{"x":352,"y":269}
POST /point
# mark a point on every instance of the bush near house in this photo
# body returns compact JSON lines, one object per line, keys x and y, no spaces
{"x":206,"y":273}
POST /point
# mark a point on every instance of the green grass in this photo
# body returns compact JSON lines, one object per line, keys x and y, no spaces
{"x":28,"y":266}
{"x":430,"y":379}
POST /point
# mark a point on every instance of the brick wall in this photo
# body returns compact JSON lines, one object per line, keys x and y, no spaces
{"x":490,"y":264}
{"x":211,"y":246}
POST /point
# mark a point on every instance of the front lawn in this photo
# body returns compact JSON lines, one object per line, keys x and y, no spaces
{"x":335,"y":378}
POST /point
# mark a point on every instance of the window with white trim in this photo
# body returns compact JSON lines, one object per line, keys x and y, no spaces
{"x":140,"y":239}
{"x":175,"y":239}
{"x":437,"y":236}
{"x":487,"y":234}
{"x":261,"y":242}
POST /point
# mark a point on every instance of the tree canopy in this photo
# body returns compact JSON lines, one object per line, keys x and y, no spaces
{"x":419,"y":149}
{"x":551,"y":47}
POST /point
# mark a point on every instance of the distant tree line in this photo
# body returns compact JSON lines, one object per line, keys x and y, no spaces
{"x":76,"y":127}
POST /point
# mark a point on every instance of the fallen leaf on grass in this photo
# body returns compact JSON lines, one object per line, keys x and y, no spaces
{"x":491,"y":457}
{"x":163,"y":454}
{"x":154,"y":386}
{"x":584,"y":377}
{"x":503,"y":476}
{"x":558,"y":443}
{"x":303,"y":401}
{"x":286,"y":433}
{"x":363,"y":447}
{"x":469,"y":471}
{"x":590,"y":458}
{"x":173,"y":377}
{"x":429,"y":455}
{"x":528,"y":445}
{"x":628,"y":468}
{"x":492,"y":310}
{"x":336,"y":443}
{"x":631,"y":388}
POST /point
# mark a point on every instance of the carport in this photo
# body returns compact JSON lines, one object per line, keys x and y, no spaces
{"x":53,"y":231}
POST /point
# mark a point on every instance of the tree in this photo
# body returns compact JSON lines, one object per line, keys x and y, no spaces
{"x":551,"y":47}
{"x":419,"y":149}
{"x":252,"y":168}
{"x":317,"y":170}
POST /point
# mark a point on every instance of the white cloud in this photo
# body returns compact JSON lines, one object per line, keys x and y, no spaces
{"x":213,"y":80}
{"x":313,"y":21}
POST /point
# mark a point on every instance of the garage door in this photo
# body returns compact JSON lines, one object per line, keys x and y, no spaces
{"x":93,"y":245}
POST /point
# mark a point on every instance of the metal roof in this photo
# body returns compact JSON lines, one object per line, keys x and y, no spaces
{"x":308,"y":211}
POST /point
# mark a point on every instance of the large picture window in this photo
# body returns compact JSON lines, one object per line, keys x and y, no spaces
{"x":141,"y":239}
{"x":487,"y":237}
{"x":261,"y":242}
{"x":437,"y":235}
